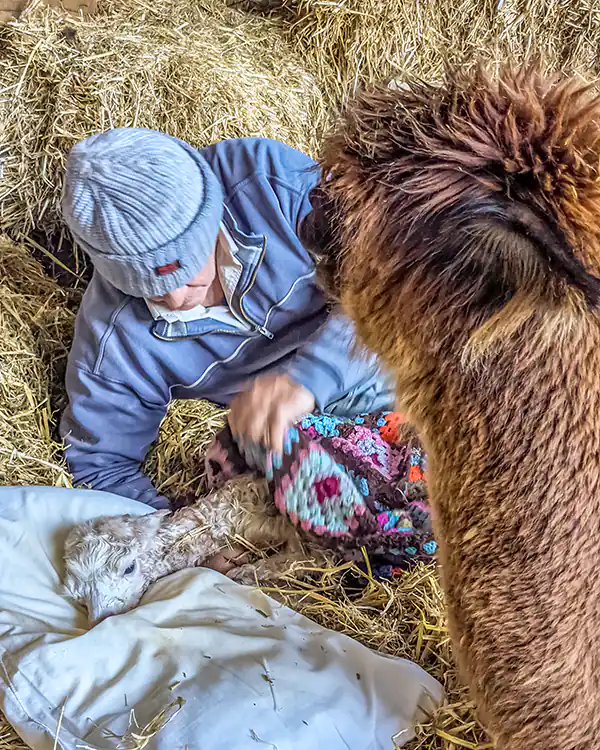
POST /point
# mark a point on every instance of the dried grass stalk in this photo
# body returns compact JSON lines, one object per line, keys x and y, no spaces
{"x":176,"y":462}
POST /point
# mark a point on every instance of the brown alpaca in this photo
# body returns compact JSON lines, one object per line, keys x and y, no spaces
{"x":460,"y":229}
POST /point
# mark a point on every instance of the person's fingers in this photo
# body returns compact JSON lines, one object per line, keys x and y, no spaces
{"x":255,"y":455}
{"x":260,"y":417}
{"x":276,"y":431}
{"x":249,"y":415}
{"x":233,"y":416}
{"x":227,"y":559}
{"x":256,"y":429}
{"x":219,"y":563}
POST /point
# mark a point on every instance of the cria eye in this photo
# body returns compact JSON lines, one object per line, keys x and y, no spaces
{"x":129,"y":569}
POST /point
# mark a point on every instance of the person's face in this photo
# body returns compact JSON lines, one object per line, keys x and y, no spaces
{"x":204,"y":289}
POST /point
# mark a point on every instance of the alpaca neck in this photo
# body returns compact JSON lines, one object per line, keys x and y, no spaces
{"x":519,"y":437}
{"x":186,"y":540}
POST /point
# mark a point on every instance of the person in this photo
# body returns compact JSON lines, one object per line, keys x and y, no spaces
{"x":201,"y":289}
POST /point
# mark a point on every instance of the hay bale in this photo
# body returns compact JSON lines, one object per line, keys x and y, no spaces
{"x":11,"y":9}
{"x":35,"y":326}
{"x":351,"y":41}
{"x":197,"y":70}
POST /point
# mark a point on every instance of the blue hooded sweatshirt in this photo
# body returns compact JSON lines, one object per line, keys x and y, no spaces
{"x":125,"y":367}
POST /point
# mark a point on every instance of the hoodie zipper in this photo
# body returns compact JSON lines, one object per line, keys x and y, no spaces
{"x":260,"y":329}
{"x":194,"y":336}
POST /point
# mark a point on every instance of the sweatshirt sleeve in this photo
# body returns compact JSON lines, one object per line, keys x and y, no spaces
{"x":328,"y":365}
{"x":108,"y":429}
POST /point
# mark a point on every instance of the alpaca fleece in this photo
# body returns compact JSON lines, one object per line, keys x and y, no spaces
{"x":459,"y":227}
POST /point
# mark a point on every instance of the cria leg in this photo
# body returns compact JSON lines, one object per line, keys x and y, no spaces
{"x":265,"y":531}
{"x":271,"y":568}
{"x":214,"y":529}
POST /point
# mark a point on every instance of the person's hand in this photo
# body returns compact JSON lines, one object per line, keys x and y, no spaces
{"x":227,"y":560}
{"x":263,"y":414}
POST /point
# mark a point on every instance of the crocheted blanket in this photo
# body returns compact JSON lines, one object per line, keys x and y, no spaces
{"x":347,"y":483}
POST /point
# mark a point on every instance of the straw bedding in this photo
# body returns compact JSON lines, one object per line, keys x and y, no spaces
{"x":203,"y":71}
{"x":35,"y":322}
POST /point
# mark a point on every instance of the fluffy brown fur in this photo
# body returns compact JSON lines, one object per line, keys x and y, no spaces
{"x":460,"y":228}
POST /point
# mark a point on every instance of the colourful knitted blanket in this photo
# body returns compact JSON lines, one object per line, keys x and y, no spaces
{"x":348,"y":483}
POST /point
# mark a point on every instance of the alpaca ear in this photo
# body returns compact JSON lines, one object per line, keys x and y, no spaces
{"x":146,"y":527}
{"x":554,"y":252}
{"x":526,"y":265}
{"x":517,"y":251}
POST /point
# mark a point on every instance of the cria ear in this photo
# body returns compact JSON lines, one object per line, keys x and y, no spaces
{"x":146,"y":527}
{"x":554,"y":251}
{"x":75,"y":537}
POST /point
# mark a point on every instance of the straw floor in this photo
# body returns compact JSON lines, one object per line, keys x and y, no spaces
{"x":35,"y":326}
{"x":205,"y":70}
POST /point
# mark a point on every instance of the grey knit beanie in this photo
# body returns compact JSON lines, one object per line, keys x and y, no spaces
{"x":146,"y":208}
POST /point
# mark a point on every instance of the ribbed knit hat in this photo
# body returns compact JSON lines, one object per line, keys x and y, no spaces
{"x":145,"y":206}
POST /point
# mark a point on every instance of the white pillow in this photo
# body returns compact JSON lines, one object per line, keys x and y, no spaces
{"x":253,"y":674}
